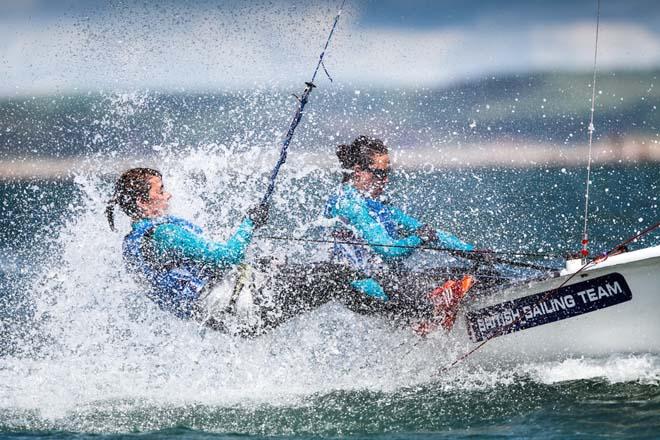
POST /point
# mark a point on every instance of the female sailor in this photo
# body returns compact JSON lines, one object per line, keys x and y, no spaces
{"x":373,"y":237}
{"x":170,"y":254}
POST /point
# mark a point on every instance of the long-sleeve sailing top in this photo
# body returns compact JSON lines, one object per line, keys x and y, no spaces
{"x":370,"y":234}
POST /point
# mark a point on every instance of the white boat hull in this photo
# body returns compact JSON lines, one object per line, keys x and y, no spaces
{"x":631,"y":326}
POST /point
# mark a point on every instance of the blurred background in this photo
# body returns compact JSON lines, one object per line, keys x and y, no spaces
{"x":451,"y":79}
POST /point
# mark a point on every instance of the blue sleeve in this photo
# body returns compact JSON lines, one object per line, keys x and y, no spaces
{"x":189,"y":245}
{"x":407,"y":222}
{"x":444,"y":238}
{"x":453,"y":242}
{"x":372,"y":231}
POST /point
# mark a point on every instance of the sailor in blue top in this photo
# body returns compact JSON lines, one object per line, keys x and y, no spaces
{"x":371,"y":235}
{"x":170,"y":254}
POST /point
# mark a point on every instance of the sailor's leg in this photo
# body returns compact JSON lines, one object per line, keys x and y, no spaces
{"x":407,"y":300}
{"x":295,"y":289}
{"x":414,"y":298}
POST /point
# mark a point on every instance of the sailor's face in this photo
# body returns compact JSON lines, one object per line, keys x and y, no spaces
{"x":373,"y":179}
{"x":378,"y":174}
{"x":159,"y":199}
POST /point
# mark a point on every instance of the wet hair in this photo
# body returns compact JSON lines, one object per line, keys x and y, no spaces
{"x":132,"y":185}
{"x":360,"y":152}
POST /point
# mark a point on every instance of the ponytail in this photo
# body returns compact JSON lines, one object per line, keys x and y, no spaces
{"x":110,"y":213}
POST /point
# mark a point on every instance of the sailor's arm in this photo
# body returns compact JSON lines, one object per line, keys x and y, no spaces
{"x":189,"y":245}
{"x":408,"y":223}
{"x":448,"y":240}
{"x":442,"y":238}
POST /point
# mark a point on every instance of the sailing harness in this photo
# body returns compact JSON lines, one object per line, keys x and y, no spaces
{"x":176,"y":284}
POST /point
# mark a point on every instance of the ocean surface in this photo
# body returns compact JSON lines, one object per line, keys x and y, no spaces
{"x":84,"y":354}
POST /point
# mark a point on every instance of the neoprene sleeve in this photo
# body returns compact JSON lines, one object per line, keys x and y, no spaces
{"x":445,"y":239}
{"x":189,"y":245}
{"x":354,"y":209}
{"x":407,"y":222}
{"x":452,"y":242}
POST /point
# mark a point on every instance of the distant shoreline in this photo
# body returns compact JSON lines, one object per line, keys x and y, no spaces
{"x":508,"y":155}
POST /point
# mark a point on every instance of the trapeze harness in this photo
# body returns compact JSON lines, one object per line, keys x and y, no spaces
{"x":176,"y":282}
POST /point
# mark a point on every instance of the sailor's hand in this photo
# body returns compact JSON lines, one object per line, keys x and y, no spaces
{"x":259,"y":214}
{"x":427,"y":234}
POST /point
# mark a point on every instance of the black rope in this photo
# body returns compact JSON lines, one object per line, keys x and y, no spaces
{"x":624,"y":243}
{"x":476,"y":255}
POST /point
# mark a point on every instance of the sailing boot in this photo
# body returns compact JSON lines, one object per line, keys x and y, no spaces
{"x":446,"y":300}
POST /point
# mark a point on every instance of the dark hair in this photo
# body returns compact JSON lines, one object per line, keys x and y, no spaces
{"x":360,"y":152}
{"x":132,"y":185}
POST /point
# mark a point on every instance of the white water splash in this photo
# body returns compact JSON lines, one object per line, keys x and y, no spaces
{"x":616,"y":369}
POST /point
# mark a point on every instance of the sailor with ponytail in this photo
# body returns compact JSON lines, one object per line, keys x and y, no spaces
{"x":371,"y":235}
{"x":171,"y":255}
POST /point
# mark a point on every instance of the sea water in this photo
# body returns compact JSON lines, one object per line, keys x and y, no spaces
{"x":85,"y":353}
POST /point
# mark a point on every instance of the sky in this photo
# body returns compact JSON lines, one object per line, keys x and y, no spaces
{"x":69,"y":46}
